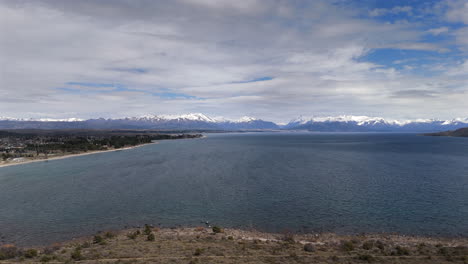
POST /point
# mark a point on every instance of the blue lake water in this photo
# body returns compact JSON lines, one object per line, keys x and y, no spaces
{"x":303,"y":182}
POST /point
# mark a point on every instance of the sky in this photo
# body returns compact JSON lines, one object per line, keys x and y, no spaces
{"x":270,"y":59}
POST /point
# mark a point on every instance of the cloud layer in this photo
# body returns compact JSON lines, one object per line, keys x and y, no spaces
{"x":270,"y":59}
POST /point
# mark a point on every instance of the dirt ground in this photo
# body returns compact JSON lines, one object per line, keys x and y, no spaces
{"x":212,"y":245}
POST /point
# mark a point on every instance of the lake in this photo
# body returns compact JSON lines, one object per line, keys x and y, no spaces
{"x":301,"y":182}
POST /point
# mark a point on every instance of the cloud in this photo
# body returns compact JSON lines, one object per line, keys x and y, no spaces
{"x":245,"y":6}
{"x":272,"y":59}
{"x":438,"y":31}
{"x":390,"y":11}
{"x":457,"y":11}
{"x":461,"y":37}
{"x":414,"y":94}
{"x":458,"y":69}
{"x":417,"y":46}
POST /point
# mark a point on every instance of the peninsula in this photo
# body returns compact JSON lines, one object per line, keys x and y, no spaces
{"x":462,"y":132}
{"x":23,"y":146}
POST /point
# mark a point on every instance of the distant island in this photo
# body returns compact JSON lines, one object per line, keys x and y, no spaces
{"x":22,"y":146}
{"x":462,"y":132}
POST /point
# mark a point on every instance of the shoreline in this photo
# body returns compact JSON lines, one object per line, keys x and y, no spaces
{"x":253,"y":234}
{"x":2,"y":165}
{"x":247,"y":233}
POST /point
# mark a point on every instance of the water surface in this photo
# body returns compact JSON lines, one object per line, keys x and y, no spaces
{"x":305,"y":182}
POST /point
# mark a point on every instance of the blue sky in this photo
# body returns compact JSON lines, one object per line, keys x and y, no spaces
{"x":271,"y":59}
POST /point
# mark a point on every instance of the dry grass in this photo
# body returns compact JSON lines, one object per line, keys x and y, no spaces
{"x":202,"y":245}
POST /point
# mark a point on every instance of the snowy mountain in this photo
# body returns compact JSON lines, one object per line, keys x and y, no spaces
{"x":198,"y":121}
{"x":193,"y":121}
{"x":378,"y":124}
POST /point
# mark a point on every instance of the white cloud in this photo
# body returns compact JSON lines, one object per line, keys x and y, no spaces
{"x":461,"y":36}
{"x":315,"y":51}
{"x":457,"y":11}
{"x":245,"y":6}
{"x":417,"y":46}
{"x":438,"y":31}
{"x":395,"y":10}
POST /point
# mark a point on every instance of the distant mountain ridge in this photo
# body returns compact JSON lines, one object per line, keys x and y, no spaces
{"x":374,"y":124}
{"x":198,"y":121}
{"x":195,"y":121}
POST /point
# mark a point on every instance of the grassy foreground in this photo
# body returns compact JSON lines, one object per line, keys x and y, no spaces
{"x":215,"y":245}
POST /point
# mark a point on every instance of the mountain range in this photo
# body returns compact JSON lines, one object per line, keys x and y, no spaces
{"x":198,"y":121}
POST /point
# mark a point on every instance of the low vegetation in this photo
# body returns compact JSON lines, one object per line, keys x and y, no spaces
{"x":218,"y":245}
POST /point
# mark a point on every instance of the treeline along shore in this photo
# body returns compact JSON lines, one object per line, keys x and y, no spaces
{"x":20,"y":146}
{"x":462,"y":132}
{"x":215,"y":244}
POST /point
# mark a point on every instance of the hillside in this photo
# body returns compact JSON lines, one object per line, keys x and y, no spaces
{"x":462,"y":132}
{"x":215,"y":245}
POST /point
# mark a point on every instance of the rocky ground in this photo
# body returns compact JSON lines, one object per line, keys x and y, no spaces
{"x":215,"y":245}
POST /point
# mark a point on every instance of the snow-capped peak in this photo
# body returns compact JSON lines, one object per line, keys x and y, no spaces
{"x":363,"y":120}
{"x":196,"y":117}
{"x":5,"y":118}
{"x":360,"y":120}
{"x":245,"y":119}
{"x":455,"y":121}
{"x":300,"y":120}
{"x":58,"y":119}
{"x":366,"y":120}
{"x":192,"y":117}
{"x":42,"y":119}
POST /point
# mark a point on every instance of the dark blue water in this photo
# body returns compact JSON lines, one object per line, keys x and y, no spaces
{"x":345,"y":183}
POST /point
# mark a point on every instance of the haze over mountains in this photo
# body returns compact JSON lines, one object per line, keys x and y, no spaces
{"x":197,"y":121}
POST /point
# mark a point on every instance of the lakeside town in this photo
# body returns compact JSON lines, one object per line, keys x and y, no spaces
{"x":19,"y":146}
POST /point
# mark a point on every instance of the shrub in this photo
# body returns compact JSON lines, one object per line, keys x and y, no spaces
{"x":217,"y":229}
{"x":147,"y":230}
{"x":46,"y":258}
{"x":380,"y":245}
{"x":98,"y":239}
{"x":51,"y":249}
{"x":401,"y":251}
{"x":366,"y":257}
{"x":368,"y":245}
{"x":76,"y":255}
{"x":347,"y":246}
{"x":443,"y":251}
{"x":309,"y":247}
{"x":85,"y":245}
{"x":30,"y":253}
{"x":109,"y":235}
{"x":198,"y":252}
{"x":150,"y":237}
{"x":8,"y":251}
{"x":132,"y":235}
